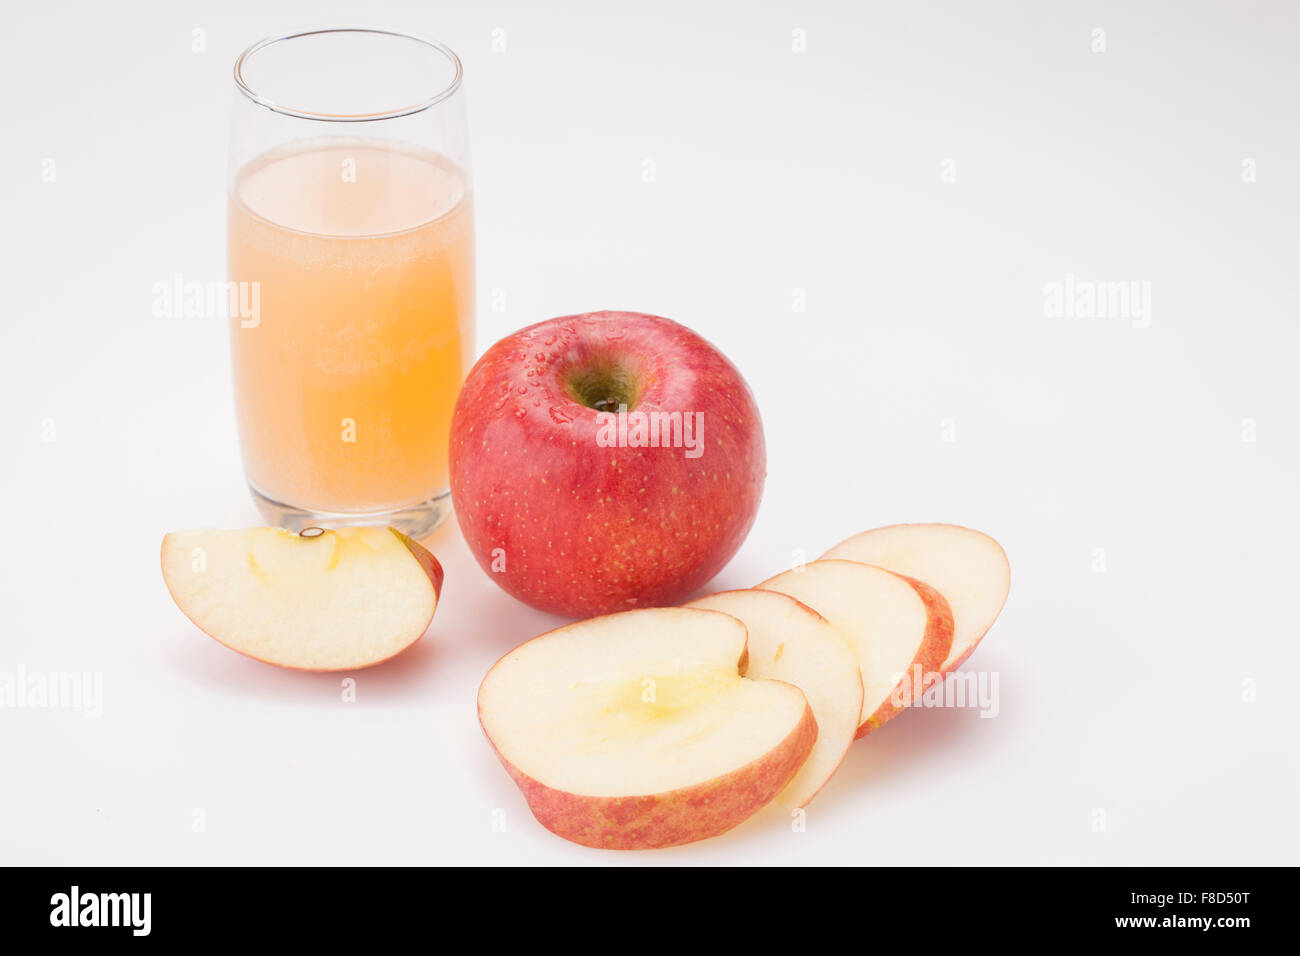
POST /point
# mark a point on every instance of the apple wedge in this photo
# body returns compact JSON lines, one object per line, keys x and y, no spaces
{"x":636,"y":730}
{"x":893,"y":624}
{"x":333,"y":600}
{"x":790,"y":642}
{"x":967,"y":567}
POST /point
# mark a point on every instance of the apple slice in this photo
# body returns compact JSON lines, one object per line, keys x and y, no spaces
{"x":893,"y":624}
{"x":335,"y":600}
{"x":790,"y":642}
{"x":967,"y":567}
{"x":636,"y":730}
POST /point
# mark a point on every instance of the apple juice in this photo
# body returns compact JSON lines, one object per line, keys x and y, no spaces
{"x":346,"y":378}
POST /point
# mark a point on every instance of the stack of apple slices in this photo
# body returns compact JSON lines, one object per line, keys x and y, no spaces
{"x":656,"y":727}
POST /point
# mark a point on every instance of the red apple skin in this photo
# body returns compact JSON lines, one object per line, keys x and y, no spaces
{"x":584,"y":529}
{"x":930,"y":656}
{"x":661,"y":820}
{"x":965,"y":654}
{"x":431,"y":566}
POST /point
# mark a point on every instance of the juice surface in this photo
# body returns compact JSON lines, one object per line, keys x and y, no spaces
{"x":363,"y":253}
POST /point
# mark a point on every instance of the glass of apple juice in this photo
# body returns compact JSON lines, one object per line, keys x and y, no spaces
{"x":351,"y":256}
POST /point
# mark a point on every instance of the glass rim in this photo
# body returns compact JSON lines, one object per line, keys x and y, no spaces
{"x":285,"y":110}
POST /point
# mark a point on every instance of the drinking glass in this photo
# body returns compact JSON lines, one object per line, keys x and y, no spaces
{"x":350,"y":238}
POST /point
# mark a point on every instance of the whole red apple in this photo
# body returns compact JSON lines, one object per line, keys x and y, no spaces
{"x":605,"y":461}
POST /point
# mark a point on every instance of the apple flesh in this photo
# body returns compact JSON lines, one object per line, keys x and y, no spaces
{"x":336,"y":600}
{"x":637,"y":730}
{"x":967,"y":567}
{"x":575,"y":514}
{"x":893,"y":624}
{"x":790,"y":642}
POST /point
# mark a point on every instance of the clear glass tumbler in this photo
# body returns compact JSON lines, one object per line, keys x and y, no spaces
{"x":351,"y":256}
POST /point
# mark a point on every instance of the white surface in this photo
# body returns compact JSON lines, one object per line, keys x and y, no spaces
{"x":1121,"y":691}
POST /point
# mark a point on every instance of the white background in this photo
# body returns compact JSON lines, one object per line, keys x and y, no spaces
{"x":1123,"y":691}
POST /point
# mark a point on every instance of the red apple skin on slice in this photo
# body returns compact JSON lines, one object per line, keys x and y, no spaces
{"x":935,"y":647}
{"x":674,"y":818}
{"x":207,"y":613}
{"x":603,"y":765}
{"x":868,"y":604}
{"x":432,"y":567}
{"x":969,"y":568}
